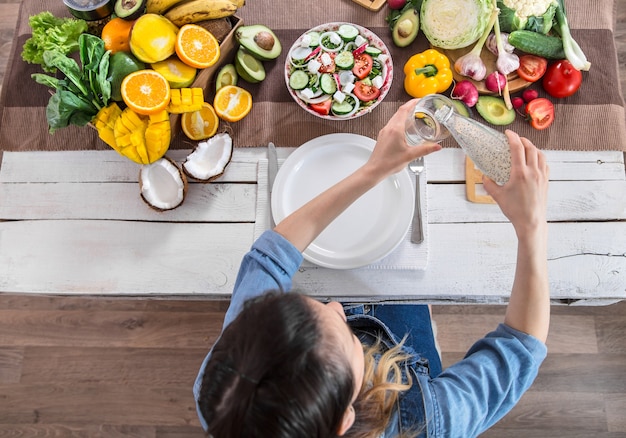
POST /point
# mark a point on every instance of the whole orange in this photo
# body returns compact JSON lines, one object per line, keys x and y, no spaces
{"x":116,"y":35}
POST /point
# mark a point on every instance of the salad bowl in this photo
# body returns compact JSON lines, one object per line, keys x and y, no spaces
{"x":338,"y":71}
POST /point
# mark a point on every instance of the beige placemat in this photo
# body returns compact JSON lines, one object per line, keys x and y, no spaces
{"x":592,"y":119}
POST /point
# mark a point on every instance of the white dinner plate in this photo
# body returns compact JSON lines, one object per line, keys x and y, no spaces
{"x":369,"y":229}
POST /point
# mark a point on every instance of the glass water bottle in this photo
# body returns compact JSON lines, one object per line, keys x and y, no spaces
{"x":435,"y":118}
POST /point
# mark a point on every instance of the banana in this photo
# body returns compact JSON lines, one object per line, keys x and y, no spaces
{"x":193,"y":11}
{"x":160,"y":6}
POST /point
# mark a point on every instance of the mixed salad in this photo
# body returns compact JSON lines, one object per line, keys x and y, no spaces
{"x":338,"y":72}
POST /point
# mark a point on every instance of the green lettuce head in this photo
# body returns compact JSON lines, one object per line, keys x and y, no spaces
{"x":454,"y":24}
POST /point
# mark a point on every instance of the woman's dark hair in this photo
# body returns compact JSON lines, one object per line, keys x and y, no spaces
{"x":273,"y":374}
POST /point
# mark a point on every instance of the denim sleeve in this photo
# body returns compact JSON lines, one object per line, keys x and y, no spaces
{"x":472,"y":395}
{"x":270,"y":265}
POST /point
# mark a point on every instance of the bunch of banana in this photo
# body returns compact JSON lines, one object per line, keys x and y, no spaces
{"x":182,"y":12}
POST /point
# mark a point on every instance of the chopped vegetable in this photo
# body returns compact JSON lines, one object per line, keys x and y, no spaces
{"x":83,"y":91}
{"x":532,"y":67}
{"x":540,"y":113}
{"x":471,"y":64}
{"x":536,"y":15}
{"x":454,"y":24}
{"x":51,"y":33}
{"x":427,"y":73}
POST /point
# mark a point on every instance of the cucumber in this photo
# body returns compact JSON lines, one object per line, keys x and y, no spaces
{"x":328,"y":84}
{"x":298,"y":80}
{"x":344,"y":60}
{"x":537,"y":44}
{"x":342,"y":108}
{"x":348,"y":32}
{"x":373,"y":51}
{"x":315,"y":39}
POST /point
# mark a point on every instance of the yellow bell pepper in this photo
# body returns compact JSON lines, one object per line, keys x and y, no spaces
{"x":427,"y":73}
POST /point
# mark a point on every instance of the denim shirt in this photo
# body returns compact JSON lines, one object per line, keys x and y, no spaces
{"x":464,"y":400}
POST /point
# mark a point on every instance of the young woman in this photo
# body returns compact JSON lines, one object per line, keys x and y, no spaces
{"x":287,"y":365}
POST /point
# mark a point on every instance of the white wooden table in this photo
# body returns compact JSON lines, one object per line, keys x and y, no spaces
{"x":73,"y":223}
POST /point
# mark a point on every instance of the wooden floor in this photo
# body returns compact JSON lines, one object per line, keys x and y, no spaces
{"x":100,"y":367}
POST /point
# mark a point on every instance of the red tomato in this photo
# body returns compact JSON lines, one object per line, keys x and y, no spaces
{"x":330,"y":68}
{"x":562,"y":79}
{"x":531,"y":67}
{"x":322,"y":108}
{"x":362,"y":65}
{"x":540,"y":113}
{"x":365,"y":92}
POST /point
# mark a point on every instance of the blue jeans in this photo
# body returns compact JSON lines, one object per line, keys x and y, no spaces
{"x":412,"y":320}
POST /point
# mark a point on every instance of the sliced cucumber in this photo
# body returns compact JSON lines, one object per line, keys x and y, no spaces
{"x":328,"y":84}
{"x":348,"y":32}
{"x":344,"y":60}
{"x":315,"y":39}
{"x":298,"y":80}
{"x":342,"y":108}
{"x":373,"y":51}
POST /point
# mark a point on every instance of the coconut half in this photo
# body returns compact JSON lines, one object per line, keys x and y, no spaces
{"x":162,"y":184}
{"x":209,"y":159}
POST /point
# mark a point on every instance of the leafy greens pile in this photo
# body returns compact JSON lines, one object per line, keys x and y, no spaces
{"x":84,"y":91}
{"x":51,"y":33}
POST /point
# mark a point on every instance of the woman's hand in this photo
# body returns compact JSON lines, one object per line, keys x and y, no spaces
{"x":523,"y":198}
{"x":392,"y":153}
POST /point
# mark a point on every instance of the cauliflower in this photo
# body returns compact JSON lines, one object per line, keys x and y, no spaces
{"x":535,"y":15}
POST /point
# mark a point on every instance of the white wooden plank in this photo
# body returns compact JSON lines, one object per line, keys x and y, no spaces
{"x":121,"y":258}
{"x":203,"y":203}
{"x":476,"y":263}
{"x":104,"y":166}
{"x":567,"y":201}
{"x":101,"y":166}
{"x":469,"y":262}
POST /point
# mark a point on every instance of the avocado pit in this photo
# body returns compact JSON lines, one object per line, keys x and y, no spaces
{"x":264,"y":40}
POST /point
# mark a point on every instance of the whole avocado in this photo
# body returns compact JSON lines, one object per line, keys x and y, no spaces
{"x":121,"y":64}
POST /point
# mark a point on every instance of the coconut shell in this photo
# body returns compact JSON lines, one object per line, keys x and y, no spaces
{"x":182,"y":177}
{"x":219,"y":27}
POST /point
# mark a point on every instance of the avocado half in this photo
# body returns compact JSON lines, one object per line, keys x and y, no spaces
{"x":129,"y":9}
{"x":405,"y":28}
{"x":249,"y":68}
{"x":494,"y":110}
{"x":260,"y":41}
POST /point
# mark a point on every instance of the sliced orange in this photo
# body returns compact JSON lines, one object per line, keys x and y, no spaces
{"x":232,"y":103}
{"x":196,"y":46}
{"x":201,"y":124}
{"x":146,"y":91}
{"x":116,"y":35}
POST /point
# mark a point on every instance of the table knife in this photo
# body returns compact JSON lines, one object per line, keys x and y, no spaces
{"x":272,"y":169}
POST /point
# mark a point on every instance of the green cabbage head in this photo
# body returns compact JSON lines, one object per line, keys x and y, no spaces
{"x":454,"y":24}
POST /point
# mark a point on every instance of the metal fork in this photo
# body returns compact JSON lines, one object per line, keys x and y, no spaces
{"x":417,"y":233}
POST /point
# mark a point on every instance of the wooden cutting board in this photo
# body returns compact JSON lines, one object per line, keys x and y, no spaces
{"x":372,"y":5}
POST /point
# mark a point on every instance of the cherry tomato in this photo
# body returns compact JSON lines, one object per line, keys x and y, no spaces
{"x":532,"y":67}
{"x":365,"y":92}
{"x":322,"y":108}
{"x":562,"y":79}
{"x":540,"y":113}
{"x":362,"y":65}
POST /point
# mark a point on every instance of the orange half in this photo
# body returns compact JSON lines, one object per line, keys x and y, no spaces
{"x":146,"y":92}
{"x":232,"y":103}
{"x":196,"y":46}
{"x":201,"y":124}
